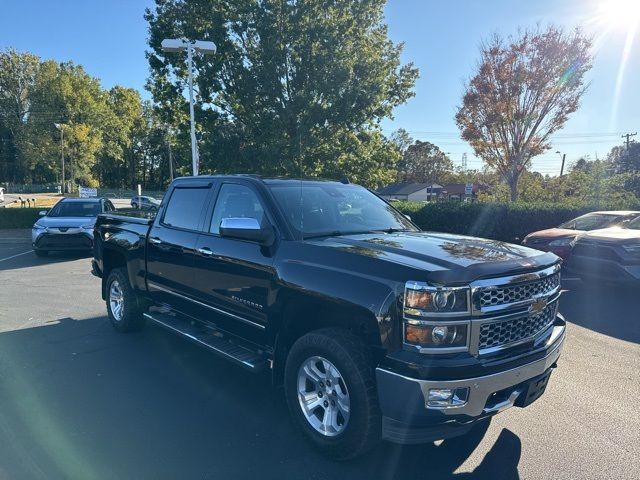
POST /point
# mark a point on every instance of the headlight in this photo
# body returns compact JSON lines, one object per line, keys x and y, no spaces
{"x":87,"y":227}
{"x":430,"y":323}
{"x":37,"y":226}
{"x":431,"y":336}
{"x":562,"y":242}
{"x":424,"y":300}
{"x":632,"y":248}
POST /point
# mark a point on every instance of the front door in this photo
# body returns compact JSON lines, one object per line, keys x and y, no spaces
{"x":235,"y":277}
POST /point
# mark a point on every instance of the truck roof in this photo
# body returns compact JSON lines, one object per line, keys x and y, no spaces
{"x":263,"y":179}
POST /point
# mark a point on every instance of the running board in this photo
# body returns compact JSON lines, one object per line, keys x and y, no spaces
{"x":212,"y":340}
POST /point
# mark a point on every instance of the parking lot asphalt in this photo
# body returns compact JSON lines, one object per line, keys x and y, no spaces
{"x":80,"y":401}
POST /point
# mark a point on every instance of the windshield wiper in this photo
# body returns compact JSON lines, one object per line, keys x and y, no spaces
{"x":392,"y":230}
{"x":339,"y":233}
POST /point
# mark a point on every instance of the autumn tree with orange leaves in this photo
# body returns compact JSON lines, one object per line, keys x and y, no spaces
{"x":524,"y":90}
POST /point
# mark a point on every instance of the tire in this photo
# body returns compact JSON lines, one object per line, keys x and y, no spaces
{"x":134,"y":206}
{"x":361,"y":429}
{"x":41,"y":253}
{"x":123,"y":305}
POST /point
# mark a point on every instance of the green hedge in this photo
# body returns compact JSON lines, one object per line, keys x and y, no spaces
{"x":18,"y":217}
{"x":510,"y":222}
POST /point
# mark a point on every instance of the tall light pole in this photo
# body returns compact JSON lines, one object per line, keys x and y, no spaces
{"x":564,"y":156}
{"x":198,"y":46}
{"x":60,"y":127}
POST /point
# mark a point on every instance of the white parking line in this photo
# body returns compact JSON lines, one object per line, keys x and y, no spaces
{"x":14,"y":256}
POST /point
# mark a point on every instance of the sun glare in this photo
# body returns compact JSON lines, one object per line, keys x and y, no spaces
{"x":622,"y":14}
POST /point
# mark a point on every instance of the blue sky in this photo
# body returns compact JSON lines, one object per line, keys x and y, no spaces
{"x":441,"y":37}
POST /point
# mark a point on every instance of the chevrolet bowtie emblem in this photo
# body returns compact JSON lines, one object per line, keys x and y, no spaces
{"x":538,"y":306}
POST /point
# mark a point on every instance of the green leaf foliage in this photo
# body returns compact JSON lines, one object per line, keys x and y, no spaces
{"x":509,"y":222}
{"x":295,"y":88}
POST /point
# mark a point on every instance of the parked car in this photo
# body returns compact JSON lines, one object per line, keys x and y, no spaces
{"x":559,"y":240}
{"x":144,"y":203}
{"x":610,"y":254}
{"x":374,"y":328}
{"x":68,"y":225}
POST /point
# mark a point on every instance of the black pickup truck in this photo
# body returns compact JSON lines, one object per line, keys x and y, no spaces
{"x":374,"y":328}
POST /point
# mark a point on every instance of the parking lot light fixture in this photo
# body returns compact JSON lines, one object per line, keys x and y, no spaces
{"x":60,"y":127}
{"x":172,"y":45}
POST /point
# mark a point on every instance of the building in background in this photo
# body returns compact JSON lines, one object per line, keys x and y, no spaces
{"x":411,"y":192}
{"x":431,"y":192}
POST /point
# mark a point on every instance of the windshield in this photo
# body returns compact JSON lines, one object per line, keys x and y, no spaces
{"x":634,"y":224}
{"x":316,"y":209}
{"x":593,"y":221}
{"x":75,"y":209}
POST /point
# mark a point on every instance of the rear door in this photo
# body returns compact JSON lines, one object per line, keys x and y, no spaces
{"x":171,"y":246}
{"x":235,"y":278}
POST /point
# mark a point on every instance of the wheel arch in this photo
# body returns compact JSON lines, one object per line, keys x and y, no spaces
{"x":304,"y":314}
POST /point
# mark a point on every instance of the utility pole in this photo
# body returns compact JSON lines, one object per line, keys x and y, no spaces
{"x":170,"y":161}
{"x":628,"y":136}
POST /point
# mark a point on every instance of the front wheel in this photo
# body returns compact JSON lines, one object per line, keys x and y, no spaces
{"x":331,"y":393}
{"x":123,"y":305}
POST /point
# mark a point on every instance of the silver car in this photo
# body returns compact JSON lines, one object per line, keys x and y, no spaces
{"x":68,"y":225}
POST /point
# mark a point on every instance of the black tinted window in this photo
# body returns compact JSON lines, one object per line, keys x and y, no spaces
{"x":184,"y":207}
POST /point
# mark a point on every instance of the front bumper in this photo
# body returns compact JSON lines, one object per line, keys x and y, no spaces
{"x":604,"y":269}
{"x":408,"y":419}
{"x":63,"y":241}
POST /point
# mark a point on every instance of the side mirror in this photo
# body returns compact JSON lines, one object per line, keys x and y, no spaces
{"x":246,"y":229}
{"x":408,"y":217}
{"x":42,"y":213}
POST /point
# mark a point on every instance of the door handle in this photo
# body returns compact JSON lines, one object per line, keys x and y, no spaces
{"x":206,"y":251}
{"x":155,"y":240}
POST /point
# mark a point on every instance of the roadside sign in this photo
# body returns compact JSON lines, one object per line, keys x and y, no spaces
{"x":87,"y":192}
{"x":468,"y":189}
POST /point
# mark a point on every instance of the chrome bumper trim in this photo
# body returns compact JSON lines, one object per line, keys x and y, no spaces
{"x":481,"y":388}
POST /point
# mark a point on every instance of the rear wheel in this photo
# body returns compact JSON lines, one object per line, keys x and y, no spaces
{"x":123,"y":305}
{"x":331,"y":393}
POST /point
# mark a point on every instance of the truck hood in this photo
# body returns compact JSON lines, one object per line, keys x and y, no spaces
{"x":56,"y":222}
{"x":444,"y":257}
{"x":613,"y":234}
{"x":553,"y":233}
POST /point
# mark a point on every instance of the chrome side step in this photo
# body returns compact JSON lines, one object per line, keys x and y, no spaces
{"x":210,"y":339}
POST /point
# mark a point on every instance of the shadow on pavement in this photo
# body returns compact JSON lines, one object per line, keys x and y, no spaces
{"x":31,"y":260}
{"x":78,"y":400}
{"x":604,"y":308}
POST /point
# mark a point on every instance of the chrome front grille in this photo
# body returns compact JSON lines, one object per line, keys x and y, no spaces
{"x":511,"y":331}
{"x":492,"y":296}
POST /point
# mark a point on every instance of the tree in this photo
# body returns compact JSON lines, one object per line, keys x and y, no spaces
{"x":625,"y":159}
{"x":294,"y":88}
{"x":18,"y":73}
{"x":524,"y":90}
{"x":424,"y":162}
{"x":401,"y":139}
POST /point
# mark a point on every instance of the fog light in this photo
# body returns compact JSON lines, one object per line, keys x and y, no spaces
{"x":447,"y":397}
